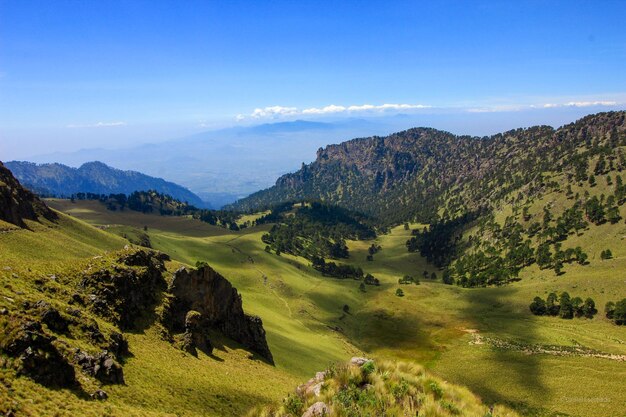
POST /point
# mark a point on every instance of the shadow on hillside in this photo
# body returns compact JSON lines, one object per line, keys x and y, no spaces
{"x":490,"y":313}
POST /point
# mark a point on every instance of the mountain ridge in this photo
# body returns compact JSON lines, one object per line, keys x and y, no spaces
{"x":414,"y":174}
{"x":93,"y":177}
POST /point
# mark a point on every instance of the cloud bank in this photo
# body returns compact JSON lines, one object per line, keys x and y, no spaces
{"x":279,"y":111}
{"x":99,"y":124}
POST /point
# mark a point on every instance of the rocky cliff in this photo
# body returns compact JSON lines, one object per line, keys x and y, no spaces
{"x":201,"y":300}
{"x":17,"y":203}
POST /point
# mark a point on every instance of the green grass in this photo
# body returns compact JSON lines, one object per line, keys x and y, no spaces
{"x":307,"y":328}
{"x":388,"y":388}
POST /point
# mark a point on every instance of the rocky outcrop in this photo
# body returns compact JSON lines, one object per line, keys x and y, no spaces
{"x":318,"y":409}
{"x":101,"y":366}
{"x":37,"y":356}
{"x":217,"y":305}
{"x":17,"y":203}
{"x":128,"y":289}
{"x":51,"y":317}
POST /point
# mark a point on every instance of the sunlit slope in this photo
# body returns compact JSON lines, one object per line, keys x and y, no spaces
{"x":295,"y":302}
{"x":160,"y":379}
{"x":484,"y":338}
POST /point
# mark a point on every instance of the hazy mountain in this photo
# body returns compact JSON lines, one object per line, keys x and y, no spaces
{"x":224,"y":165}
{"x":94,"y":177}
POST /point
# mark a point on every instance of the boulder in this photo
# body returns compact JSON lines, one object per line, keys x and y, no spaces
{"x":358,"y":361}
{"x":118,"y":345}
{"x":99,"y":395}
{"x":319,"y":409}
{"x":51,"y":317}
{"x":218,"y":306}
{"x":313,"y":386}
{"x":102,"y":367}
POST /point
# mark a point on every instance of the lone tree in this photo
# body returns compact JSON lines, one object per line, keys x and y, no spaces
{"x":399,"y":292}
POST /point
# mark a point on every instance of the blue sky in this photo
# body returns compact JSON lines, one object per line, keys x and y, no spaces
{"x":81,"y":74}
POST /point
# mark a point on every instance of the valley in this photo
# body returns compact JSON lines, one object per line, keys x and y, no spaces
{"x":433,"y":324}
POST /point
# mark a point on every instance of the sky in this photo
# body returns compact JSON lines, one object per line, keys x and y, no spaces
{"x":85,"y":74}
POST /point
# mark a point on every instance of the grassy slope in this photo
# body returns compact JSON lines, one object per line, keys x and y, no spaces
{"x":226,"y":384}
{"x":431,"y":323}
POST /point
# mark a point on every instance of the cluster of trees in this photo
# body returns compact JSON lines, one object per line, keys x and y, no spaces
{"x":616,"y":311}
{"x":600,"y":210}
{"x":438,"y":242}
{"x":408,"y":279}
{"x":496,"y":253}
{"x":314,"y":230}
{"x":563,"y":306}
{"x":372,"y":250}
{"x":343,"y":271}
{"x":606,"y":254}
{"x":165,"y":205}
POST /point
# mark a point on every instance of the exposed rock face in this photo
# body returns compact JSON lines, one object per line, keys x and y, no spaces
{"x":37,"y":356}
{"x":127,"y":290}
{"x":17,"y":203}
{"x":102,"y":366}
{"x":51,"y":317}
{"x":219,"y":306}
{"x":196,"y":334}
{"x":118,"y":345}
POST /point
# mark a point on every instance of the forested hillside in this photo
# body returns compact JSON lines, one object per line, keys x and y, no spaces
{"x":428,"y":175}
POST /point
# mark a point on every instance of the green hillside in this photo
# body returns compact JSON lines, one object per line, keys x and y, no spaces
{"x":427,"y":175}
{"x":483,"y":338}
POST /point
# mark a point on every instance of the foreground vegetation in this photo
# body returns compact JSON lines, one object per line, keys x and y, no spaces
{"x":366,"y":388}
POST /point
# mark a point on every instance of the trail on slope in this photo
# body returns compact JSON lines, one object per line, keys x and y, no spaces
{"x":536,"y":349}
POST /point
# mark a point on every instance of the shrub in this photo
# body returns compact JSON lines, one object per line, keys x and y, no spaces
{"x":399,"y":292}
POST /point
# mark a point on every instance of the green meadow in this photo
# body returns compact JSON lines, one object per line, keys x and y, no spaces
{"x":483,"y":338}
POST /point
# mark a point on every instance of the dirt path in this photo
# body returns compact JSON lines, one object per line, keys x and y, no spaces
{"x":535,"y":349}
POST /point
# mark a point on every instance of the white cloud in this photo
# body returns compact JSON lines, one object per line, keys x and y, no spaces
{"x":324,"y":110}
{"x":521,"y":107}
{"x":273,"y":111}
{"x":99,"y":124}
{"x":580,"y":104}
{"x":591,"y":103}
{"x":277,"y":111}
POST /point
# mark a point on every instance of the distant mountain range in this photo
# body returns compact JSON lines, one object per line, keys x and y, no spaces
{"x":93,"y":177}
{"x":224,"y":165}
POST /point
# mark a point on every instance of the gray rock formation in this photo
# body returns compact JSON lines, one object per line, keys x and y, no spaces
{"x":128,"y":290}
{"x":17,"y":203}
{"x":319,"y":409}
{"x":219,"y":307}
